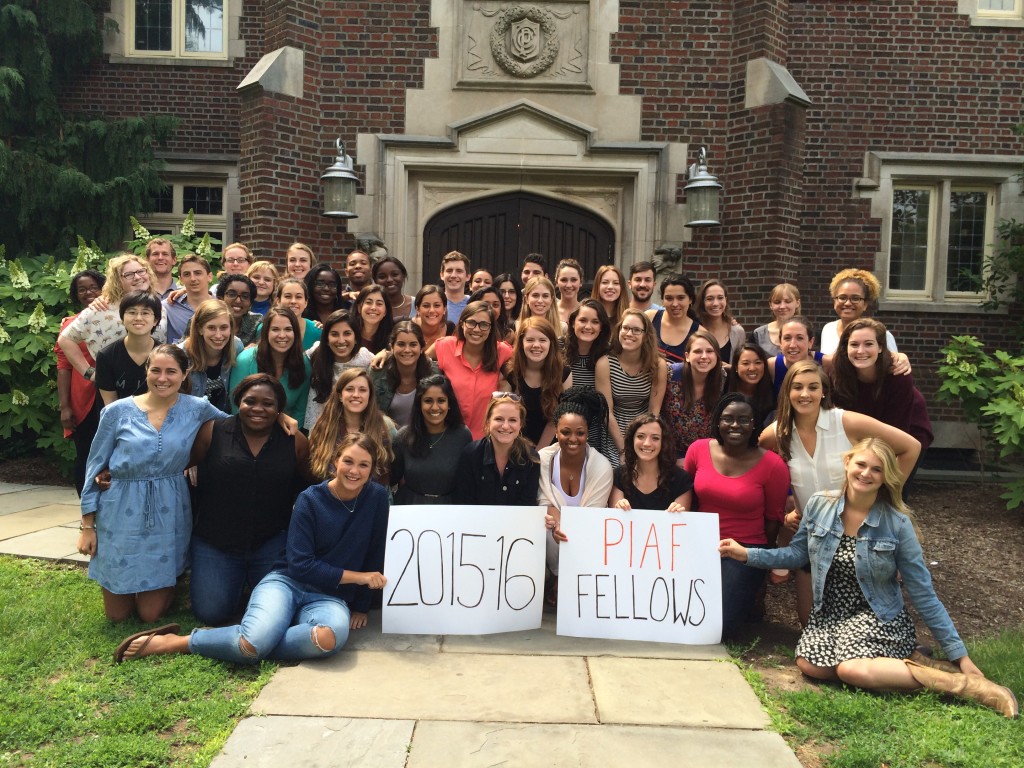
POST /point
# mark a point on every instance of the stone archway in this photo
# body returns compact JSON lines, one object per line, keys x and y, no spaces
{"x":496,"y":232}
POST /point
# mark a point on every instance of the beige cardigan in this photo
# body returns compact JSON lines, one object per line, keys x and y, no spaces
{"x":599,"y":479}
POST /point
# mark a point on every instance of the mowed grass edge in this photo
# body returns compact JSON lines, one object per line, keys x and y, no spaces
{"x":64,"y":702}
{"x":850,"y":728}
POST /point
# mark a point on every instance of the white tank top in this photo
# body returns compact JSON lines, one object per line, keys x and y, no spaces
{"x":824,"y":470}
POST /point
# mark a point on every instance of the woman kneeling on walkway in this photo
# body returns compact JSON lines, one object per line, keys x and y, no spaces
{"x":860,"y":633}
{"x":304,"y":608}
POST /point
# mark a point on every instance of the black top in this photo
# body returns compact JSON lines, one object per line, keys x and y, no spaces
{"x":663,"y":495}
{"x":117,"y":372}
{"x":535,"y":421}
{"x":479,"y":482}
{"x":242,"y":501}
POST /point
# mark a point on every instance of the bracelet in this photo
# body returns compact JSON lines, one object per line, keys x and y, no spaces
{"x":84,"y":527}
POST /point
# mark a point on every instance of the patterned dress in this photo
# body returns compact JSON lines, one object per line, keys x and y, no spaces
{"x":846,"y":627}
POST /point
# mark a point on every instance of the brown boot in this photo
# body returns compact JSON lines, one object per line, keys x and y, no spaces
{"x":972,"y":687}
{"x":927,"y":661}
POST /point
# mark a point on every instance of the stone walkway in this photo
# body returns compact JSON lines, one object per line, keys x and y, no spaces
{"x":517,"y":699}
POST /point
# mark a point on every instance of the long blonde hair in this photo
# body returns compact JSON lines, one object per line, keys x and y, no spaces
{"x":891,"y":491}
{"x":112,"y":290}
{"x":552,"y":313}
{"x":194,"y":345}
{"x":330,"y":427}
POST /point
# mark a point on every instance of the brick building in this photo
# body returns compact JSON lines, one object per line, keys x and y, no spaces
{"x":568,"y":125}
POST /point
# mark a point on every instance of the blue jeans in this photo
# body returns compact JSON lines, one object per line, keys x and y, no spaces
{"x":740,"y":583}
{"x":278,"y":623}
{"x":219,"y":578}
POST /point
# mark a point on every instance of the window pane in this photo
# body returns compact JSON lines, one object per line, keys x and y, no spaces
{"x":996,"y":5}
{"x":205,"y":201}
{"x":164,"y":201}
{"x":152,"y":25}
{"x":908,"y":259}
{"x":966,"y":239}
{"x":204,"y":26}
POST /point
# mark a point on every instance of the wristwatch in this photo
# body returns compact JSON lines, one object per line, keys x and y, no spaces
{"x":89,"y":373}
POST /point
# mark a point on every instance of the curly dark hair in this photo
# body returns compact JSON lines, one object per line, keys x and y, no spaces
{"x":591,"y":405}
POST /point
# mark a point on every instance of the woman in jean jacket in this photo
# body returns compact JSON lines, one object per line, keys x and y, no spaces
{"x":860,"y":632}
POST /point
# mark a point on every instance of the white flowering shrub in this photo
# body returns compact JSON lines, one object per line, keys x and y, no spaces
{"x":33,"y":302}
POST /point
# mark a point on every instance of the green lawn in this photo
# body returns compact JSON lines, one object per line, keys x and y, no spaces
{"x":854,"y":729}
{"x":64,"y":702}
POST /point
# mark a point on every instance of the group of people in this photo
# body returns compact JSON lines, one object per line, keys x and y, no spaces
{"x":342,"y":395}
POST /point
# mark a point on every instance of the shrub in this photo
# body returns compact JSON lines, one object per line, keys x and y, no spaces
{"x":990,"y":388}
{"x":33,"y":301}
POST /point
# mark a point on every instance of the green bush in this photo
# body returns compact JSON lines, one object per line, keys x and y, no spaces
{"x":33,"y":301}
{"x":990,"y":388}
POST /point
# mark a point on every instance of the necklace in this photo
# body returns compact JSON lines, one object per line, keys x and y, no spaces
{"x":351,"y":510}
{"x":443,"y":433}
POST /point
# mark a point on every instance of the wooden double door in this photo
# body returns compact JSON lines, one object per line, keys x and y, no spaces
{"x":497,"y":232}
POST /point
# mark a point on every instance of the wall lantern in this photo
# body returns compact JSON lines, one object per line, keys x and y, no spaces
{"x":339,"y":183}
{"x":702,"y":192}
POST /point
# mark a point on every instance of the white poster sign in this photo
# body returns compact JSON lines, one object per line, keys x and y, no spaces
{"x":463,"y":570}
{"x":640,"y":575}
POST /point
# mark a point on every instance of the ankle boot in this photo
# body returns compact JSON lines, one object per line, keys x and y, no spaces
{"x":928,"y":661}
{"x":972,"y":687}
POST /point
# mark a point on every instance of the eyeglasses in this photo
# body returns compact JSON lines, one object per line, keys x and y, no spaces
{"x":236,"y":260}
{"x":325,"y":284}
{"x":473,"y":325}
{"x":507,"y":291}
{"x":850,"y":299}
{"x":236,"y":295}
{"x":742,"y":421}
{"x":132,"y":275}
{"x":631,"y":330}
{"x":506,"y":396}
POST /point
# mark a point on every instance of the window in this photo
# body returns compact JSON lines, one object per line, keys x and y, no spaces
{"x":179,"y":28}
{"x":993,"y":13}
{"x":999,"y":8}
{"x":206,"y":197}
{"x":938,"y":215}
{"x":941,"y":236}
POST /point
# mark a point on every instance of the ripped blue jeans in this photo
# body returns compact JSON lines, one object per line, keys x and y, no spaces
{"x":278,"y":623}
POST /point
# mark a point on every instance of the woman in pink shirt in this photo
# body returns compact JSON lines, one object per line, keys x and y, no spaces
{"x":746,"y":485}
{"x":472,"y":361}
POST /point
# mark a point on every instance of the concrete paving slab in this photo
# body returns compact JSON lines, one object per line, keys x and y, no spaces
{"x":545,"y":642}
{"x":456,"y":686}
{"x":475,"y":745}
{"x":51,"y":544}
{"x":316,"y":742}
{"x":16,"y":487}
{"x":370,"y":638}
{"x":707,"y":694}
{"x":39,"y":519}
{"x":37,"y":497}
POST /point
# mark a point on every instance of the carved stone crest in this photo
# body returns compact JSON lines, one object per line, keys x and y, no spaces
{"x":524,"y":40}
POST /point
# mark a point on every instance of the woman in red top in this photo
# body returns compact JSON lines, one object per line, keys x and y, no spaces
{"x":77,"y":395}
{"x":746,"y":485}
{"x":472,"y":361}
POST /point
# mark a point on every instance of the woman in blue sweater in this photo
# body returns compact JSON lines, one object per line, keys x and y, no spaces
{"x":304,"y":608}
